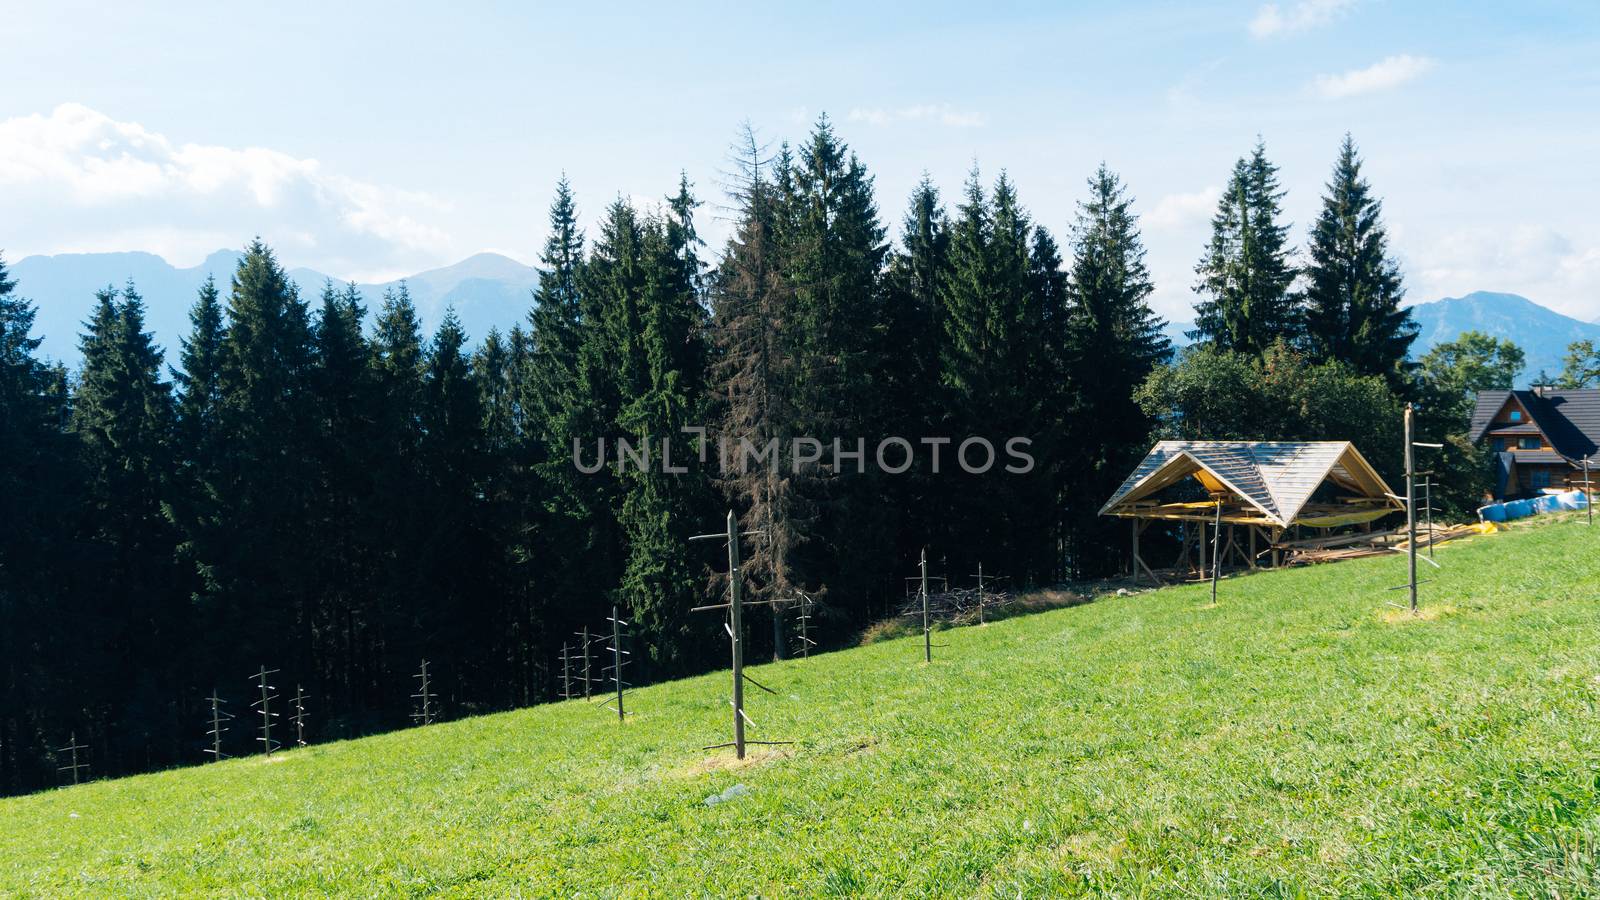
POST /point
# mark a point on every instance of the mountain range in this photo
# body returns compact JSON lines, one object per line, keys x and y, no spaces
{"x":489,"y":290}
{"x":485,"y":290}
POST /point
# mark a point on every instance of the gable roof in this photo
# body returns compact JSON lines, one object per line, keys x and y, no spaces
{"x":1276,"y":477}
{"x":1570,"y":420}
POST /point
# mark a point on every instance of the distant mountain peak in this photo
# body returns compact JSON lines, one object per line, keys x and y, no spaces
{"x":1541,"y":332}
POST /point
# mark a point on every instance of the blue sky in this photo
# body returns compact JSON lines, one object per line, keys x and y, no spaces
{"x":371,"y":140}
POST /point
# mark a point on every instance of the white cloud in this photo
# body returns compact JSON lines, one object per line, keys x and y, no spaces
{"x":1539,"y":262}
{"x":92,"y":183}
{"x":1270,"y":20}
{"x":1380,"y":76}
{"x":1175,"y":211}
{"x":941,"y":113}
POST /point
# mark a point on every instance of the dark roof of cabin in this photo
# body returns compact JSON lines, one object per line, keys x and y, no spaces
{"x":1570,"y":419}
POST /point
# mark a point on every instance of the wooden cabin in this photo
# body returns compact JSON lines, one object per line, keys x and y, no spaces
{"x":1539,"y":438}
{"x":1264,"y":488}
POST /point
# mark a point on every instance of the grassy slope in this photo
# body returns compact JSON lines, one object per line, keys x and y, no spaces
{"x":1289,"y":740}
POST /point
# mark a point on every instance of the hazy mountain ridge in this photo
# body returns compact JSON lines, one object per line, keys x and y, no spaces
{"x":1541,"y":332}
{"x":485,"y":289}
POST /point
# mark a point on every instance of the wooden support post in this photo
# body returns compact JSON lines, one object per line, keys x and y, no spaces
{"x":588,"y":680}
{"x":1133,"y":564}
{"x":1411,"y":512}
{"x":736,"y":630}
{"x":1253,"y":548}
{"x":980,"y":579}
{"x":735,"y":627}
{"x":1216,"y":549}
{"x":927,"y":635}
{"x":616,"y":654}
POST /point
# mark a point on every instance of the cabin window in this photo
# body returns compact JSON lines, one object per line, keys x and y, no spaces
{"x":1498,"y":444}
{"x":1539,"y":479}
{"x":1516,"y":415}
{"x":1529,"y":443}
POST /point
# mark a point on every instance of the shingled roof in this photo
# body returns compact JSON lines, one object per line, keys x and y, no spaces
{"x":1569,"y":419}
{"x":1276,"y":477}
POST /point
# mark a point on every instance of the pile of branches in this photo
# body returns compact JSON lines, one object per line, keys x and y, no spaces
{"x":955,"y":604}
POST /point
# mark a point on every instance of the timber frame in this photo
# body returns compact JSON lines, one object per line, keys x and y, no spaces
{"x":1259,"y":490}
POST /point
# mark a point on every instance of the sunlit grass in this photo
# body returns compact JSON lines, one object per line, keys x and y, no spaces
{"x":1301,"y":737}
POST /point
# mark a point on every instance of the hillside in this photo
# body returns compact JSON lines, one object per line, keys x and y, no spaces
{"x":1302,"y":736}
{"x":485,"y":290}
{"x":1542,"y":333}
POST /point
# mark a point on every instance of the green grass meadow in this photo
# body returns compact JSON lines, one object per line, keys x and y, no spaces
{"x":1300,"y":738}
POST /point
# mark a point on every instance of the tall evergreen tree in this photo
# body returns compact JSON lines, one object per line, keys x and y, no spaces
{"x":997,"y":370}
{"x":1353,"y":289}
{"x":1114,"y":341}
{"x":38,"y":482}
{"x":551,"y":398}
{"x":660,"y":505}
{"x":1245,"y":272}
{"x":398,"y":514}
{"x":457,"y":608}
{"x":966,"y":303}
{"x":344,"y":548}
{"x":553,"y":326}
{"x":131,"y":615}
{"x":248,"y":546}
{"x":833,"y":251}
{"x":915,"y":405}
{"x":499,"y":366}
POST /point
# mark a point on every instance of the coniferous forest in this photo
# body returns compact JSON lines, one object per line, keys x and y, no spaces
{"x":311,"y":483}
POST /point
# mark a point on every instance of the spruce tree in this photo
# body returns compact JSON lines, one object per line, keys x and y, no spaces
{"x":123,"y":416}
{"x":559,"y":520}
{"x":553,"y":330}
{"x":965,"y":302}
{"x":248,"y":546}
{"x":498,"y":367}
{"x":1245,"y":272}
{"x":131,"y":613}
{"x":660,"y":506}
{"x":494,"y":377}
{"x":198,"y":373}
{"x":38,"y":484}
{"x":458,"y":605}
{"x":397,"y":520}
{"x":1115,"y":341}
{"x":915,"y":404}
{"x":833,"y":252}
{"x":343,"y":550}
{"x":1353,"y":290}
{"x":1000,"y":370}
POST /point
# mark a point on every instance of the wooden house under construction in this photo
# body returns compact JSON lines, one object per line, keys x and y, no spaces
{"x":1264,"y":490}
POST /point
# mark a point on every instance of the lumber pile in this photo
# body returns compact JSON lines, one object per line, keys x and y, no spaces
{"x":1380,"y":543}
